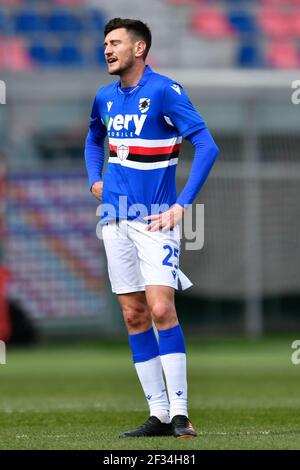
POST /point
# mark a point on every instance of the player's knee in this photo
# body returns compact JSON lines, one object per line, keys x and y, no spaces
{"x":163,"y":313}
{"x":136,"y":318}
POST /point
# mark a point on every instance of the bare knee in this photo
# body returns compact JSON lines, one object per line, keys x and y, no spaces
{"x":136,"y":318}
{"x":136,"y":314}
{"x":164,"y":314}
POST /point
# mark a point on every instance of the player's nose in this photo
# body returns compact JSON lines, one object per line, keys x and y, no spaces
{"x":107,"y":50}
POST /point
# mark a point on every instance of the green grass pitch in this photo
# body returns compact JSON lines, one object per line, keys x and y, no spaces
{"x":242,"y":395}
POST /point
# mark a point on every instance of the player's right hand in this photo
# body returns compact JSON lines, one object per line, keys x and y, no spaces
{"x":97,"y":190}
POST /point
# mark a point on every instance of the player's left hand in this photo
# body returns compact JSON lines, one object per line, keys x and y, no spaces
{"x":166,"y":220}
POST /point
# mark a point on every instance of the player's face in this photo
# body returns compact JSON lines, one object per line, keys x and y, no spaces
{"x":119,"y":51}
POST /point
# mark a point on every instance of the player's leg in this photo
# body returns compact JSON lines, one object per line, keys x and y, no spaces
{"x":173,"y":355}
{"x":159,"y":260}
{"x":172,"y":351}
{"x":128,"y":283}
{"x":145,"y":353}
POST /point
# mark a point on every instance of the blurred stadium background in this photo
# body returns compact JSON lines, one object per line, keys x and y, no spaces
{"x":237,"y":61}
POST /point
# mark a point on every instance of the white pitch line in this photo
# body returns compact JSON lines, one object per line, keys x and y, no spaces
{"x":238,"y":433}
{"x":52,"y":436}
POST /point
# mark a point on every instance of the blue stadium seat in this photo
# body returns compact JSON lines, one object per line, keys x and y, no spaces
{"x":95,"y":20}
{"x":64,"y":21}
{"x":3,"y":22}
{"x":242,"y":22}
{"x":249,"y":56}
{"x":69,"y":55}
{"x":41,"y":54}
{"x":99,"y":58}
{"x":29,"y":20}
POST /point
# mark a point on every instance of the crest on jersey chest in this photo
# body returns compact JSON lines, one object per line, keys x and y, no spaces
{"x":144,"y":104}
{"x":122,"y":152}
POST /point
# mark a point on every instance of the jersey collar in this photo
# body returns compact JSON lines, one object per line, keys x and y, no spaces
{"x":143,"y":80}
{"x":146,"y":75}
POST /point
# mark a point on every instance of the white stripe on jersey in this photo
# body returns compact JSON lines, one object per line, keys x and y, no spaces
{"x":143,"y":166}
{"x":168,"y":121}
{"x":146,"y":142}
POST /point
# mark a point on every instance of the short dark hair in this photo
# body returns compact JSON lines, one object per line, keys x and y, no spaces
{"x":137,"y":27}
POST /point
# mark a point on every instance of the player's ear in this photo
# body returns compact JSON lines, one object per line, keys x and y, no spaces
{"x":140,"y":47}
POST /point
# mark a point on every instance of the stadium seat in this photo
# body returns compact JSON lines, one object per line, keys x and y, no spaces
{"x":41,"y":54}
{"x":2,"y":54}
{"x":242,"y":22}
{"x":99,"y":58}
{"x":29,"y":20}
{"x":296,"y":23}
{"x":13,"y":55}
{"x":273,"y":2}
{"x":64,"y":21}
{"x":11,"y":2}
{"x":249,"y":56}
{"x":276,"y":3}
{"x":211,"y":22}
{"x":70,"y":55}
{"x":283,"y":55}
{"x":95,"y":20}
{"x":3,"y":22}
{"x":275,"y":23}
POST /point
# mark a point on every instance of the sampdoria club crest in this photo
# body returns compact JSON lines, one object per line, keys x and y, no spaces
{"x":144,"y":104}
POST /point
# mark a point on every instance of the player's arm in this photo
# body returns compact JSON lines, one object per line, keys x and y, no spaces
{"x":182,"y":115}
{"x":94,"y":151}
{"x":206,"y":152}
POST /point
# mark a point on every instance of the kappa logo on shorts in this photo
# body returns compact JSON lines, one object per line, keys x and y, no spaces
{"x":122,"y":152}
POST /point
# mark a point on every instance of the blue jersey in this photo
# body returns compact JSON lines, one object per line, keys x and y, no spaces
{"x":145,"y":126}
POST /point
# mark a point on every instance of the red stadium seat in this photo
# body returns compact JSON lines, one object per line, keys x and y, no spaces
{"x":275,"y":23}
{"x":276,"y":2}
{"x":283,"y":55}
{"x":11,"y":2}
{"x":296,"y":23}
{"x":211,"y":22}
{"x":13,"y":55}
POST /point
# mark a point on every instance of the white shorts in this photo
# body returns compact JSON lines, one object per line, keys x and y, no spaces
{"x":137,"y":258}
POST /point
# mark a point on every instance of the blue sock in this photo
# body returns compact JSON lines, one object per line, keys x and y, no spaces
{"x":171,"y":341}
{"x":145,"y":353}
{"x":173,"y":359}
{"x":143,"y":346}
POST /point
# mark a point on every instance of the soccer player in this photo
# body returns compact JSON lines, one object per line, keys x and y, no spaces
{"x":145,"y":116}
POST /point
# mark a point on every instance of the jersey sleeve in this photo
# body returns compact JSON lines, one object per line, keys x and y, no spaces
{"x":94,"y":146}
{"x":97,"y":127}
{"x":179,"y":111}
